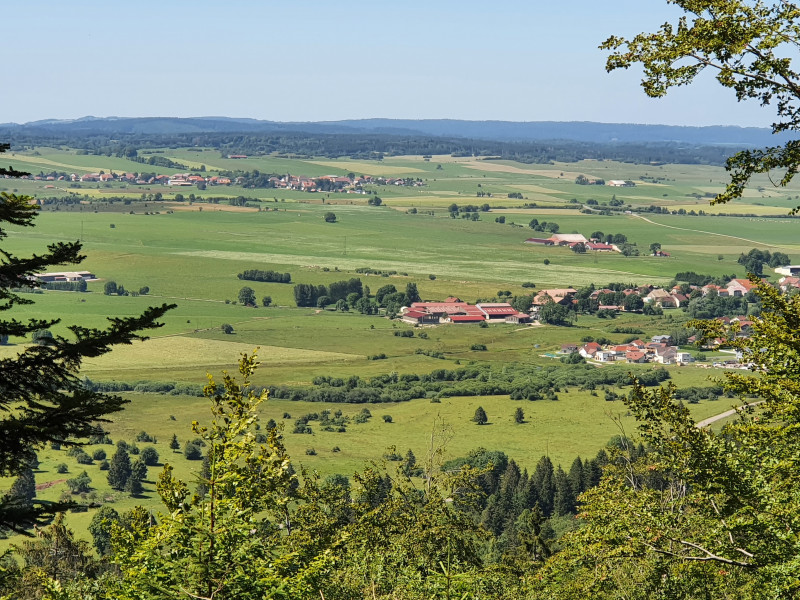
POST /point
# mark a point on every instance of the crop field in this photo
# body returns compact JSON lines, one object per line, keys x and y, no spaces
{"x":190,"y":254}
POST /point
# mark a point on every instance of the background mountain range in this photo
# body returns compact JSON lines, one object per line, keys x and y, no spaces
{"x":502,"y":131}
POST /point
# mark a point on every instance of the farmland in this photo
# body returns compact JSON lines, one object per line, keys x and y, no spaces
{"x":191,"y":253}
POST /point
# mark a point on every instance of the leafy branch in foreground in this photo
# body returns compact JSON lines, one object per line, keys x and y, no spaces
{"x":703,"y":512}
{"x":749,"y":46}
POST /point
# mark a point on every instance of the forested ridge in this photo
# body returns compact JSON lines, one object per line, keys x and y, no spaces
{"x":375,"y":146}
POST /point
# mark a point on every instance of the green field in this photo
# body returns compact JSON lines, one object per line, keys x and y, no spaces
{"x":191,"y":254}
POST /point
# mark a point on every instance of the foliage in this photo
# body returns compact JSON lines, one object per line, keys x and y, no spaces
{"x":247,"y":296}
{"x":480,"y":417}
{"x":268,"y":276}
{"x":224,"y":543}
{"x":42,"y":397}
{"x":700,"y":509}
{"x":748,"y":45}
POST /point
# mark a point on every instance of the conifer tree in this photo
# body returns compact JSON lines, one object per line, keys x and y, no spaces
{"x":480,"y":416}
{"x":120,"y":469}
{"x":42,"y":397}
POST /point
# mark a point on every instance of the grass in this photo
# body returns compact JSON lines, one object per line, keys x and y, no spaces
{"x":191,"y":257}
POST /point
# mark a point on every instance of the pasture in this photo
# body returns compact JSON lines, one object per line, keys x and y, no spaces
{"x":190,"y":254}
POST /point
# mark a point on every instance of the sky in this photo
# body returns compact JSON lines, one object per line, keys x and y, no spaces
{"x":319,"y":60}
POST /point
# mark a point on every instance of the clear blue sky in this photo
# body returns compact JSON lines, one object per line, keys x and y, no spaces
{"x":310,"y":60}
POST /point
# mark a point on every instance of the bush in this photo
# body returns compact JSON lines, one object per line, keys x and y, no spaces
{"x":227,"y":328}
{"x":62,"y":468}
{"x":84,"y":459}
{"x":150,"y":456}
{"x":192,"y":451}
{"x":99,"y":454}
{"x":311,"y":452}
{"x":387,"y":418}
{"x":104,"y":465}
{"x":143,"y":436}
{"x":480,"y":347}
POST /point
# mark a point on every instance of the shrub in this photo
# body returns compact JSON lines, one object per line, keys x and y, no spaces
{"x":227,"y":328}
{"x":311,"y":452}
{"x":84,"y":459}
{"x":104,"y":465}
{"x":99,"y":454}
{"x":62,"y":468}
{"x":387,"y":418}
{"x":149,"y":456}
{"x":192,"y":451}
{"x":480,"y":347}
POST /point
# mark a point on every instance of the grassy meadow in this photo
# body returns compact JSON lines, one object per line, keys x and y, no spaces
{"x":190,"y":254}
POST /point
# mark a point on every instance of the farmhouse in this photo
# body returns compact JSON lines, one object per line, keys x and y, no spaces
{"x":416,"y":317}
{"x":740,"y":287}
{"x":564,"y":239}
{"x":497,"y":311}
{"x":65,"y":276}
{"x":788,"y":270}
{"x":620,"y":183}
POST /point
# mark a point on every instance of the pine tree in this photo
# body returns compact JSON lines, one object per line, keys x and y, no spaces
{"x":175,"y":444}
{"x":563,"y":499}
{"x":42,"y":397}
{"x":139,"y":469}
{"x":23,"y":490}
{"x":576,"y":477}
{"x":519,"y":415}
{"x":120,"y":470}
{"x":480,"y":416}
{"x":542,"y":480}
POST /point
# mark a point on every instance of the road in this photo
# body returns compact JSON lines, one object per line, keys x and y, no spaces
{"x":719,"y":417}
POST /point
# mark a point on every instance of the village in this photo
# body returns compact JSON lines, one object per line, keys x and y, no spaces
{"x":351,"y":183}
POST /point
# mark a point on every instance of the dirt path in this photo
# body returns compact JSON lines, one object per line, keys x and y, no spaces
{"x":719,"y":417}
{"x":733,"y":237}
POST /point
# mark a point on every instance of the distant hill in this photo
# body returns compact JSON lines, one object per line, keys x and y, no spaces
{"x":502,"y":131}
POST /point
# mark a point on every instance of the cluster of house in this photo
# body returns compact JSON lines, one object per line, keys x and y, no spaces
{"x":572,"y":240}
{"x":660,"y":349}
{"x":327,"y":183}
{"x":453,"y":310}
{"x":655,"y":296}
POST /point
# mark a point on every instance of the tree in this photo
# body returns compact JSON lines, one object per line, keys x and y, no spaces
{"x":110,"y":288}
{"x":226,"y":328}
{"x":247,"y":296}
{"x":655,"y":247}
{"x":23,"y":490}
{"x":266,"y":301}
{"x":149,"y":456}
{"x":100,"y":528}
{"x":330,"y":217}
{"x":412,"y":295}
{"x":42,"y":397}
{"x":480,"y":416}
{"x":703,"y":510}
{"x":750,"y":47}
{"x":79,"y":484}
{"x":553,"y":313}
{"x":519,"y":416}
{"x":633,"y":303}
{"x":174,"y":444}
{"x":192,"y":549}
{"x":120,"y":469}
